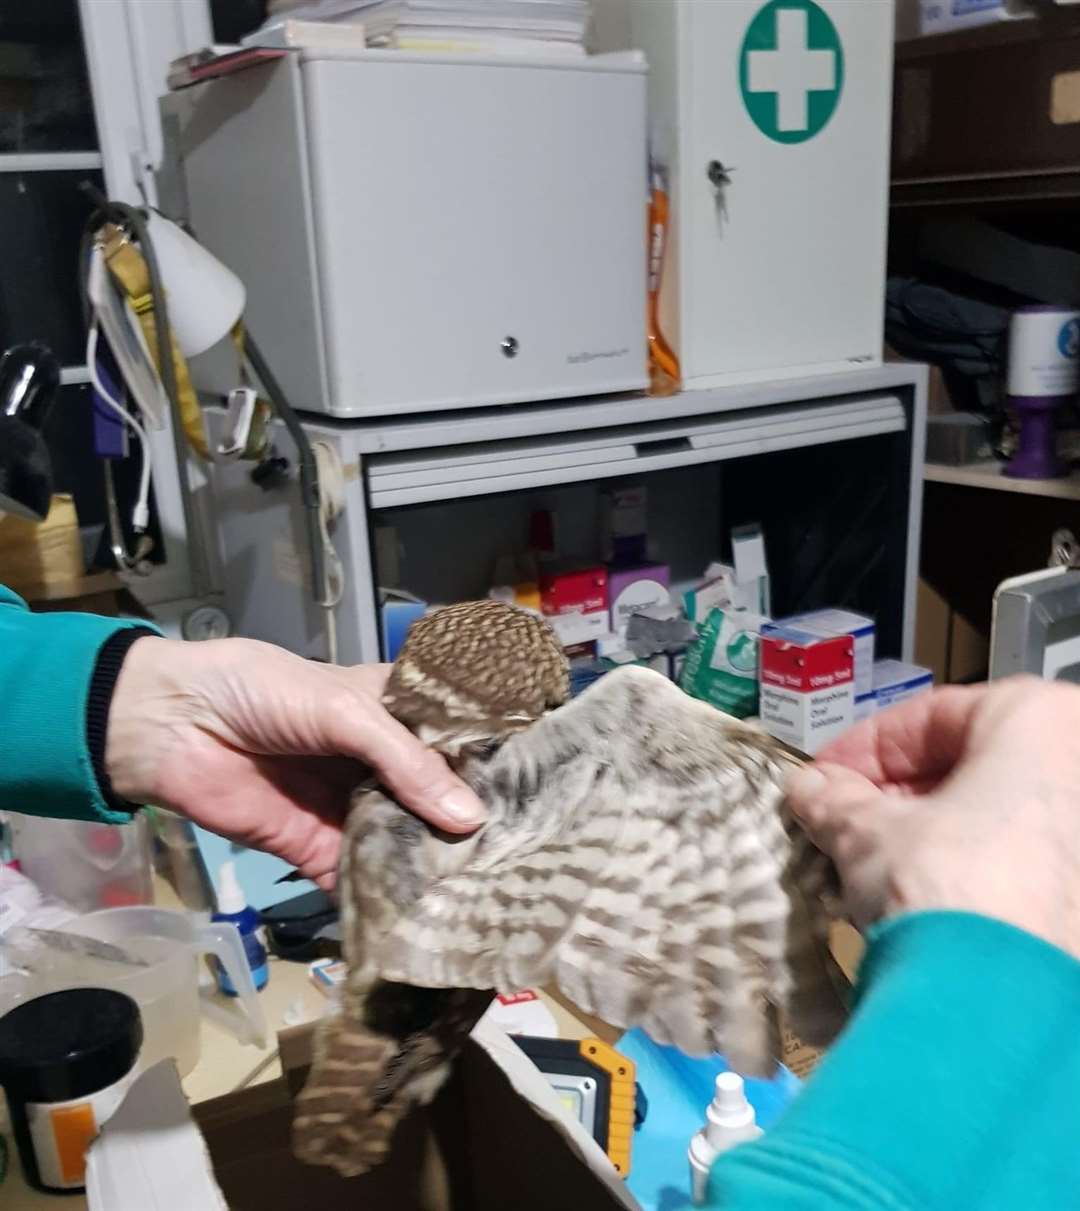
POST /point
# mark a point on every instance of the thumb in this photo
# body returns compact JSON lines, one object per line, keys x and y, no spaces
{"x":822,"y":796}
{"x":850,"y":819}
{"x":415,"y":775}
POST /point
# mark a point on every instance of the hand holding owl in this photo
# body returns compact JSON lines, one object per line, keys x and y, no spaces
{"x":964,"y":800}
{"x":263,"y":747}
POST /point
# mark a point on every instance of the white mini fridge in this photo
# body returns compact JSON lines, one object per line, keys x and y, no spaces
{"x":774,"y":118}
{"x":423,"y":232}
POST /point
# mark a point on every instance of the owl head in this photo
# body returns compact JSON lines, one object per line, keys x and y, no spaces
{"x":475,"y":672}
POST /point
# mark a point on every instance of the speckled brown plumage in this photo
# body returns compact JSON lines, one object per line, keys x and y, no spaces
{"x":637,"y":855}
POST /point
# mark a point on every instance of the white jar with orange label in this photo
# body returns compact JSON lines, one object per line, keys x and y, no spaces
{"x":66,"y":1062}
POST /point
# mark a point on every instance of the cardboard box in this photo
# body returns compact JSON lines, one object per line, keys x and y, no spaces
{"x":43,"y":559}
{"x":807,"y":687}
{"x":895,"y":682}
{"x":634,"y":588}
{"x":575,"y":603}
{"x":495,"y":1137}
{"x":833,"y":623}
{"x":624,"y":523}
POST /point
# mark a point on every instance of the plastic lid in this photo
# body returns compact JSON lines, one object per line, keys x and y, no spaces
{"x":230,"y":895}
{"x":68,"y":1044}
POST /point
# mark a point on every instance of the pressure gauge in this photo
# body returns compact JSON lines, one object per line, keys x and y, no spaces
{"x":205,"y":622}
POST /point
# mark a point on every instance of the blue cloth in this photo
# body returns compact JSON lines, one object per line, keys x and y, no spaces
{"x":678,"y":1089}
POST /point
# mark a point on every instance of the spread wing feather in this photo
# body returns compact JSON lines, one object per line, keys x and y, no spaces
{"x":636,"y":855}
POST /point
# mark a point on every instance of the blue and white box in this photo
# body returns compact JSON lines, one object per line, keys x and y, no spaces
{"x":944,"y":16}
{"x":827,"y":624}
{"x":895,"y":682}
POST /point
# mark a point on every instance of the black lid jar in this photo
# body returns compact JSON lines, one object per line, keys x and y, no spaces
{"x":66,"y":1060}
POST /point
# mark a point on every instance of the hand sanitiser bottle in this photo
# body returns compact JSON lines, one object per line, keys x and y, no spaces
{"x":233,"y":907}
{"x":729,"y":1120}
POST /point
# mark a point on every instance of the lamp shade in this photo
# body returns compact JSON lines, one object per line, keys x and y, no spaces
{"x":205,"y":298}
{"x":29,"y":380}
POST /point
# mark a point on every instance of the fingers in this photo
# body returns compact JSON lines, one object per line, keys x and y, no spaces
{"x":824,"y":798}
{"x":416,"y":776}
{"x":911,"y":746}
{"x":851,"y":820}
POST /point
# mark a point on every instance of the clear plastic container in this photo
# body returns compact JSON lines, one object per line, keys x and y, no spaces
{"x":86,"y":865}
{"x":169,"y":946}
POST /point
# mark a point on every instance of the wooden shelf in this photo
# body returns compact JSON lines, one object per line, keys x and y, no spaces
{"x":988,"y":476}
{"x":988,"y":117}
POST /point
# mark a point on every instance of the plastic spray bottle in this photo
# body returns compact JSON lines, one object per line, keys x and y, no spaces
{"x":729,"y":1120}
{"x":233,"y":906}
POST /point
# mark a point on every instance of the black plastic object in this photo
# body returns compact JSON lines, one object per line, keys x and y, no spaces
{"x":297,"y":928}
{"x":29,"y":382}
{"x":63,"y":1046}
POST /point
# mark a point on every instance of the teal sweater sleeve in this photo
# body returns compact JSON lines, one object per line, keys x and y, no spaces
{"x":953,"y":1088}
{"x":47,"y":663}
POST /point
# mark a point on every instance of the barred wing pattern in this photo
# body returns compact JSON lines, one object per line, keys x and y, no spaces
{"x":637,"y":855}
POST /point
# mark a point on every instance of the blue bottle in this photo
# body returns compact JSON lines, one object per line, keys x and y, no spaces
{"x":232,"y":906}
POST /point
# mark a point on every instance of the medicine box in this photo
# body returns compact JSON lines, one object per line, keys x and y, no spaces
{"x":895,"y":681}
{"x":575,"y":603}
{"x":831,"y":623}
{"x":807,"y":686}
{"x":636,"y":588}
{"x":623,"y":518}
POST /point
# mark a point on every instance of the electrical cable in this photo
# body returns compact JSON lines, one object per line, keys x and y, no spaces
{"x":331,"y":481}
{"x":310,"y":497}
{"x":140,"y":517}
{"x":318,"y":538}
{"x":130,"y":217}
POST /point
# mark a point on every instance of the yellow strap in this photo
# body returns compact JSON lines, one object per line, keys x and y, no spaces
{"x":128,"y":269}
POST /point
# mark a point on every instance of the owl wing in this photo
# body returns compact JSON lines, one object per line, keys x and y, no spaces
{"x":635,"y":856}
{"x":389,"y":1046}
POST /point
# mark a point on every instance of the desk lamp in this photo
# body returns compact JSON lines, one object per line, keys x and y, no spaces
{"x":29,"y":379}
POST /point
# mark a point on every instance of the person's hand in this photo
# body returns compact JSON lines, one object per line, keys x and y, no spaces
{"x":964,"y":799}
{"x":264,"y":747}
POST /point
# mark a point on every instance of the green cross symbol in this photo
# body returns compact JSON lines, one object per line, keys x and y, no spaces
{"x":791,"y":70}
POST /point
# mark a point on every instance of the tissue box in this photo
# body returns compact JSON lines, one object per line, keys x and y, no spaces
{"x":575,"y":603}
{"x":832,"y":624}
{"x":807,"y":686}
{"x":636,"y":588}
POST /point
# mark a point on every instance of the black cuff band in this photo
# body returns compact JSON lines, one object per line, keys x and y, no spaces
{"x":110,"y":660}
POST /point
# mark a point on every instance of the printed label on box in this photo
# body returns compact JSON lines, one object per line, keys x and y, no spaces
{"x":807,"y":687}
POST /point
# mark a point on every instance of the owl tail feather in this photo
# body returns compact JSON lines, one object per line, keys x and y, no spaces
{"x":381,"y":1056}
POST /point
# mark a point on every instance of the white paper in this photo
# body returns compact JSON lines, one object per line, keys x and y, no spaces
{"x":150,"y":1155}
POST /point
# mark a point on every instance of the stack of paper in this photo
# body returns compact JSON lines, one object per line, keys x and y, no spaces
{"x":523,"y":27}
{"x":378,"y":19}
{"x":531,"y":27}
